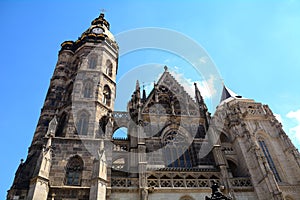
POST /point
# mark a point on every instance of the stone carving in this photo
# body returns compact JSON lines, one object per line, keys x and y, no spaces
{"x":216,"y":194}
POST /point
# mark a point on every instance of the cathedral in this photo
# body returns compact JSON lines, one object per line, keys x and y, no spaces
{"x":174,"y":148}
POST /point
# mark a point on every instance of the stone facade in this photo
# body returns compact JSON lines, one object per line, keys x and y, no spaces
{"x":174,"y":149}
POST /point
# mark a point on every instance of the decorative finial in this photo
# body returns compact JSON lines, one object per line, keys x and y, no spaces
{"x":166,"y":68}
{"x":137,"y":85}
{"x":103,"y":10}
{"x":102,"y":13}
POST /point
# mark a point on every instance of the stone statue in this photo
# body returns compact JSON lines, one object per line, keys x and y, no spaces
{"x":215,"y":193}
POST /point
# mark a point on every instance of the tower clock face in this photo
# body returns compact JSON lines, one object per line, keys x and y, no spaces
{"x":97,"y":30}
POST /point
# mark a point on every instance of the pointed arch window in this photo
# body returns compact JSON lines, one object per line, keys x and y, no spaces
{"x":74,"y":171}
{"x":106,"y":95}
{"x":176,"y":150}
{"x":88,"y":90}
{"x":92,"y":62}
{"x":109,"y":67}
{"x":267,"y":154}
{"x":82,"y":123}
{"x":61,"y":125}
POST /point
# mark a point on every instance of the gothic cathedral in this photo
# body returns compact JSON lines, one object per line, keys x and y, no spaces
{"x":173,"y":150}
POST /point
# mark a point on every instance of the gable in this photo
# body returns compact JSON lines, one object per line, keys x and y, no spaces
{"x":169,"y":97}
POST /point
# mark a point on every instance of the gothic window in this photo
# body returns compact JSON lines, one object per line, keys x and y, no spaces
{"x":82,"y":123}
{"x":73,"y":171}
{"x":92,"y":62}
{"x":266,"y":152}
{"x":176,"y":150}
{"x":232,"y":168}
{"x":88,"y":90}
{"x":102,"y":125}
{"x":108,"y":68}
{"x":106,"y":95}
{"x":61,"y":125}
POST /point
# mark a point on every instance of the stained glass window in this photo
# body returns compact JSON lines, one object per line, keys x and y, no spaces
{"x":177,"y":152}
{"x":74,"y":170}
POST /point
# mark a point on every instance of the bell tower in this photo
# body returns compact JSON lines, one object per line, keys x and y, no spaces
{"x":70,"y":162}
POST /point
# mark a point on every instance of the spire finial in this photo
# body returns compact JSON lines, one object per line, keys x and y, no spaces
{"x":166,"y":68}
{"x":137,"y":85}
{"x":102,"y":11}
{"x":144,"y":92}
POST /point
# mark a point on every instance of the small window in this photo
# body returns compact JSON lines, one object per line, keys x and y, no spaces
{"x":106,"y":95}
{"x":82,"y":124}
{"x":88,"y":90}
{"x":109,"y":68}
{"x":74,"y":171}
{"x":92,"y":62}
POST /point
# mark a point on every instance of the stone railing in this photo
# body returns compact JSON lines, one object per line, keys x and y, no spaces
{"x":124,"y":182}
{"x":254,"y":112}
{"x":120,"y":115}
{"x":186,"y":183}
{"x":241,"y":182}
{"x":179,"y":183}
{"x":289,"y":188}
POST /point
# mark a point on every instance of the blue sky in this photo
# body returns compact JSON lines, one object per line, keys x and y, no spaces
{"x":254,"y":45}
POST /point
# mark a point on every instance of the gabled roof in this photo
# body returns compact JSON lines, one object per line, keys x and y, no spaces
{"x":167,"y":80}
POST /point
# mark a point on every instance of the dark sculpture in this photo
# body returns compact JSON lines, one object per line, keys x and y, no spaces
{"x":216,"y":194}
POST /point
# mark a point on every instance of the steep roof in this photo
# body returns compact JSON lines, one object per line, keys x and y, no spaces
{"x":173,"y":87}
{"x":228,"y":95}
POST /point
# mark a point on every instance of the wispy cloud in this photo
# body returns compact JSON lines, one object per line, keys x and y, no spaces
{"x":206,"y":87}
{"x":295,"y":131}
{"x":166,"y":61}
{"x":203,"y":59}
{"x":278,"y":117}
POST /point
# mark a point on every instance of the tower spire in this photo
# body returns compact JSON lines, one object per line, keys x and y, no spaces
{"x":144,"y":93}
{"x":198,"y":95}
{"x":202,"y":107}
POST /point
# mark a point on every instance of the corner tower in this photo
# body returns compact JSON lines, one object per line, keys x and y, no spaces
{"x":66,"y":158}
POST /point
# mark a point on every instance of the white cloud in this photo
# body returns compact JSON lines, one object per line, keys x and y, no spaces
{"x":206,"y":87}
{"x":295,"y":131}
{"x":203,"y":59}
{"x":294,"y":114}
{"x":278,"y":117}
